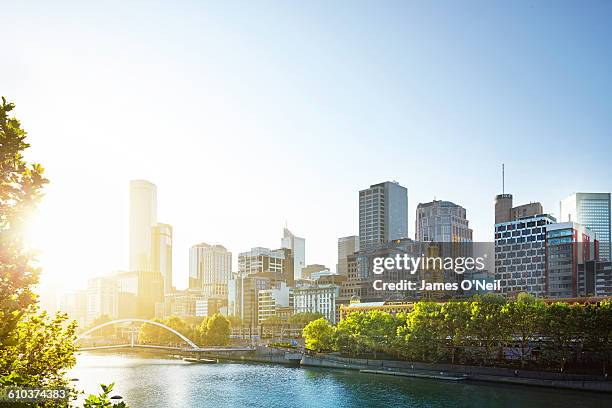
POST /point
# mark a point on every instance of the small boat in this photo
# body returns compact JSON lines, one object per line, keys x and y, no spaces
{"x":199,"y":360}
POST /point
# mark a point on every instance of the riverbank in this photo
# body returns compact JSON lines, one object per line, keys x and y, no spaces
{"x":468,"y":373}
{"x":439,"y":372}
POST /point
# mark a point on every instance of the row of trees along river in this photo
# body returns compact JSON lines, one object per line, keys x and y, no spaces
{"x":485,"y":330}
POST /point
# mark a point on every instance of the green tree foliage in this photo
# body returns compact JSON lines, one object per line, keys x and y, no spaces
{"x":20,"y":190}
{"x":104,"y":331}
{"x":362,"y":332}
{"x":488,"y":330}
{"x":319,"y":335}
{"x":303,"y":318}
{"x":35,"y":349}
{"x":560,"y":325}
{"x":597,"y":325}
{"x":103,"y":400}
{"x":215,"y":330}
{"x":455,"y":327}
{"x":153,"y":334}
{"x":523,"y":319}
{"x":487,"y":326}
{"x":423,"y":333}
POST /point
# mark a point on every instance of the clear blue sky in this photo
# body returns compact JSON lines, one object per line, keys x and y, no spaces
{"x":247,"y":114}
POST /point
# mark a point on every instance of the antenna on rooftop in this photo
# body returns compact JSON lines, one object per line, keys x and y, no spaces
{"x":503,"y":180}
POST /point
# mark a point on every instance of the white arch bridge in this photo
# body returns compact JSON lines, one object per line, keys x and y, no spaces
{"x":192,"y":347}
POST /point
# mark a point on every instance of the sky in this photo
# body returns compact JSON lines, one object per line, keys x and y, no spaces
{"x":249,"y":115}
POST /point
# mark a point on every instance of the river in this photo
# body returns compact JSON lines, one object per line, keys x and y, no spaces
{"x":154,"y":382}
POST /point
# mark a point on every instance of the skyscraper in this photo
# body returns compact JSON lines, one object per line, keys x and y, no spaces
{"x":161,"y":253}
{"x":442,"y":221}
{"x":346,"y":246}
{"x":297,"y":246}
{"x":593,"y":211}
{"x":210,"y":268}
{"x":383,"y":214}
{"x":520,"y":254}
{"x":143,"y":216}
{"x":568,"y":244}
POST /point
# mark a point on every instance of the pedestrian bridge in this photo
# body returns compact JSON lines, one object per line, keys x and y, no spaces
{"x":192,"y":347}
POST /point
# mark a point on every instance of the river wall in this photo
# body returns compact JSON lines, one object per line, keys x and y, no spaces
{"x":474,"y":373}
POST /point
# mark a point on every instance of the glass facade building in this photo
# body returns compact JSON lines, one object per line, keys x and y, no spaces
{"x":593,"y":211}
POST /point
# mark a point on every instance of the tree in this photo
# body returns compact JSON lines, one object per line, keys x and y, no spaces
{"x":424,"y":332}
{"x":560,"y":327}
{"x":524,"y":318}
{"x":319,"y":335}
{"x":104,"y":331}
{"x":303,"y":318}
{"x":486,"y":325}
{"x":151,"y":333}
{"x":454,"y":328}
{"x":217,"y":330}
{"x":35,"y":350}
{"x":597,"y":328}
{"x":43,"y":351}
{"x":20,"y":190}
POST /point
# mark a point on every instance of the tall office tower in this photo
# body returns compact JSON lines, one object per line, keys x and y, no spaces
{"x":520,"y":254}
{"x":504,"y":211}
{"x":161,"y":253}
{"x":297,"y":246}
{"x":593,"y":211}
{"x":143,"y":216}
{"x":346,"y":246}
{"x":259,"y":260}
{"x":101,"y":298}
{"x":210,"y":268}
{"x":568,"y":244}
{"x":442,"y":221}
{"x":383,"y":214}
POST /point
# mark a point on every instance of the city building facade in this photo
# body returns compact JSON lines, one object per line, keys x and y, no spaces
{"x":383,"y":214}
{"x":297,"y":246}
{"x":593,"y":211}
{"x":520,"y":254}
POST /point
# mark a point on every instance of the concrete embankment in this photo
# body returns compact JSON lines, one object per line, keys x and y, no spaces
{"x":259,"y":355}
{"x":453,"y":372}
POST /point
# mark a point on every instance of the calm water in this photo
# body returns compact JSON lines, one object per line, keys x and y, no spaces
{"x":154,"y":382}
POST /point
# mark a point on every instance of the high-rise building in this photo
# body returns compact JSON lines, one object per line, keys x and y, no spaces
{"x":520,"y":254}
{"x":101,"y":298}
{"x":278,"y":263}
{"x":270,"y":300}
{"x":568,"y":244}
{"x":75,"y":304}
{"x":243,"y":296}
{"x":595,"y":278}
{"x":143,"y":216}
{"x":317,"y":298}
{"x":297,"y":246}
{"x":314,"y":268}
{"x":210,"y":268}
{"x":181,"y":303}
{"x":593,"y":211}
{"x":505,"y":212}
{"x":383,"y":214}
{"x":346,"y":246}
{"x":127,"y":293}
{"x":442,"y":221}
{"x":161,"y":253}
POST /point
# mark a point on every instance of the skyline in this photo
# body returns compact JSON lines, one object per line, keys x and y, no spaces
{"x":246,"y":117}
